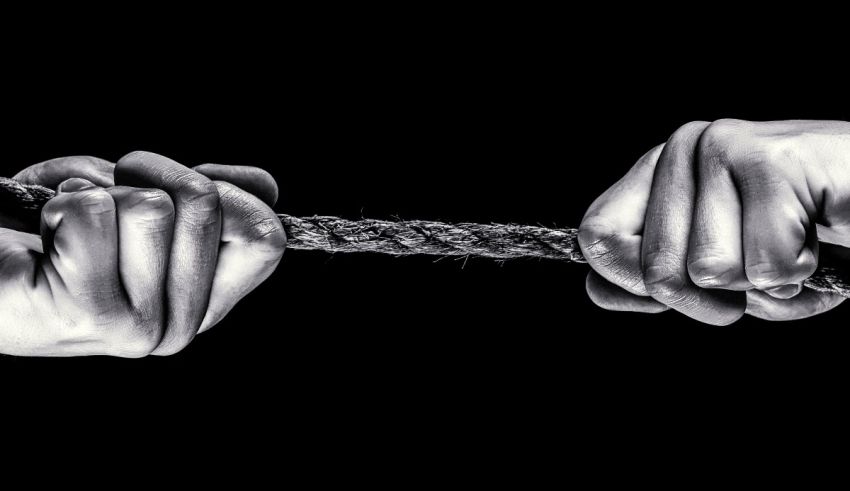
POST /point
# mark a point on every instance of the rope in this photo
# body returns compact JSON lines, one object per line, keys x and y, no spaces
{"x":408,"y":237}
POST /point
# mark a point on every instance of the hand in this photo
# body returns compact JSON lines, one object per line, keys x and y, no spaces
{"x":139,"y":267}
{"x":723,"y":219}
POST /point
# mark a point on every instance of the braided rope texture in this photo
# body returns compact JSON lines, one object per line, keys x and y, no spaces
{"x":400,"y":238}
{"x":409,"y":237}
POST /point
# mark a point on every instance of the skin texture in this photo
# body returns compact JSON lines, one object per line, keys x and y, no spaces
{"x":134,"y":258}
{"x":723,"y":219}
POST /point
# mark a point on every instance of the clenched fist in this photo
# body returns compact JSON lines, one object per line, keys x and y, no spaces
{"x":724,"y":219}
{"x":134,"y":258}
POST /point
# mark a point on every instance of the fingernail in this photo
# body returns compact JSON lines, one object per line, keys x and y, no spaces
{"x":74,"y":184}
{"x":784,"y":292}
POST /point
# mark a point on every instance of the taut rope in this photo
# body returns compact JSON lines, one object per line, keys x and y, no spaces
{"x":406,"y":237}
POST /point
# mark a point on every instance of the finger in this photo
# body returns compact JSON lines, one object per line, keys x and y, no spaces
{"x":611,"y":297}
{"x":251,"y":179}
{"x":252,"y":245}
{"x":53,"y":172}
{"x":780,"y":240}
{"x":145,"y":219}
{"x":715,"y":250}
{"x":74,"y":184}
{"x":195,"y":243}
{"x":610,"y":233}
{"x":666,"y":236}
{"x":808,"y":303}
{"x":80,"y":242}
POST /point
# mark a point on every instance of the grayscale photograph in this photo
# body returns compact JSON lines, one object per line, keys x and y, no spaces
{"x":457,"y":247}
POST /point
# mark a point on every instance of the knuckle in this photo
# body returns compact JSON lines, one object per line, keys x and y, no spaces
{"x":85,"y":205}
{"x":155,"y":197}
{"x":781,"y":271}
{"x":155,"y":204}
{"x":52,"y":210}
{"x":597,"y":240}
{"x":269,"y":236}
{"x":92,"y":196}
{"x":200,"y":192}
{"x":725,"y":127}
{"x":686,"y":131}
{"x":663,"y":279}
{"x":94,"y":201}
{"x":668,"y":286}
{"x":716,"y":138}
{"x":767,"y":274}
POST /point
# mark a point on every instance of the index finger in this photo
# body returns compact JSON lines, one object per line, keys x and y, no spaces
{"x":610,"y":233}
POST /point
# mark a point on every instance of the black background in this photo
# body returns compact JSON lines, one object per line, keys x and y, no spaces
{"x":483,"y":119}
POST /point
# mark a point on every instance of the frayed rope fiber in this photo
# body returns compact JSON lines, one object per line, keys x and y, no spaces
{"x":408,"y":237}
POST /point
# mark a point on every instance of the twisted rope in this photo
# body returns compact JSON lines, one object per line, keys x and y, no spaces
{"x":407,"y":237}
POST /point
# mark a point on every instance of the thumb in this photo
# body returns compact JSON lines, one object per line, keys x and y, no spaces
{"x":52,"y":172}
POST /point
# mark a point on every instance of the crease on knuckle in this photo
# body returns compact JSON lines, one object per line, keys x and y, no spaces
{"x":268,"y":236}
{"x":765,"y":274}
{"x":662,"y":278}
{"x":226,"y":191}
{"x":672,"y":289}
{"x":92,"y":201}
{"x":154,"y":205}
{"x":633,"y":282}
{"x":598,"y":240}
{"x":198,"y":192}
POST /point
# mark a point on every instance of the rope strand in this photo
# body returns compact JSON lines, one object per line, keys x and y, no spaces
{"x":407,"y":237}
